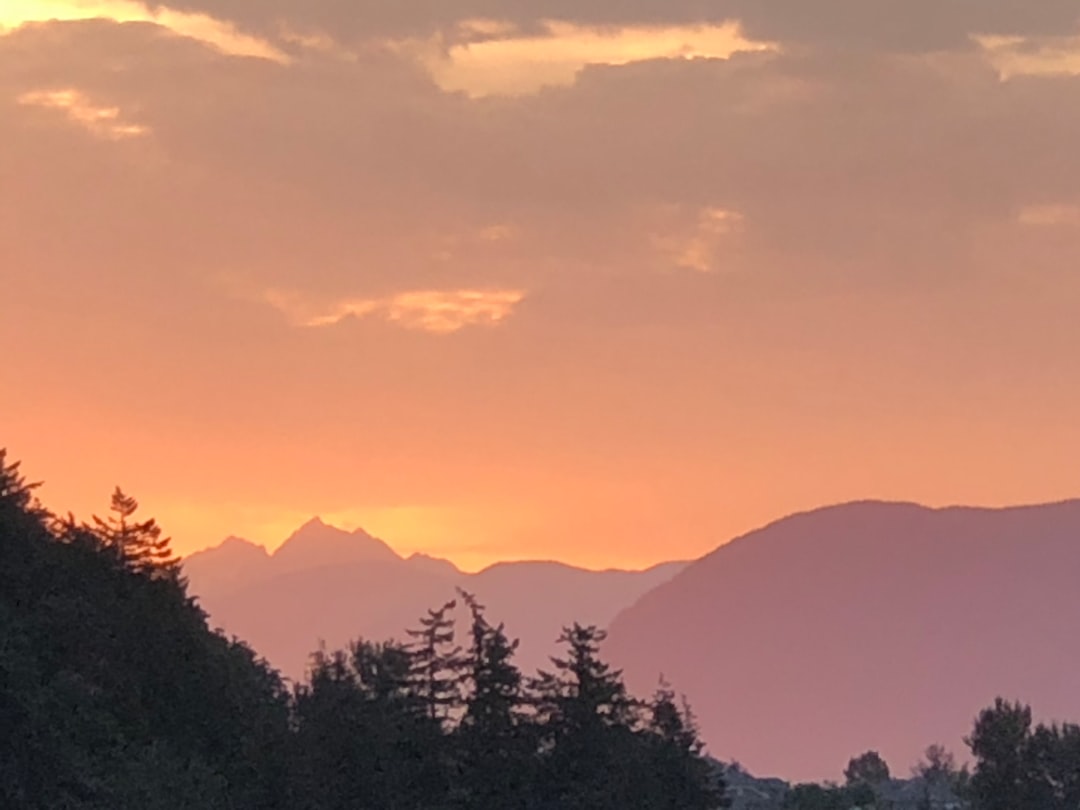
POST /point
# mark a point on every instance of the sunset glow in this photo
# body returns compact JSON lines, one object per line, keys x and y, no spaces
{"x":608,"y":283}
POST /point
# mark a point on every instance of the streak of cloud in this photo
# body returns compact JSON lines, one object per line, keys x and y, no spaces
{"x":697,"y":246}
{"x":508,"y":63}
{"x":1026,"y":56}
{"x":1050,"y":215}
{"x":218,"y":34}
{"x":438,"y":312}
{"x":105,"y":122}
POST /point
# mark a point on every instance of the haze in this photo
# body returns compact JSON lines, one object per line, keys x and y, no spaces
{"x":604,"y":282}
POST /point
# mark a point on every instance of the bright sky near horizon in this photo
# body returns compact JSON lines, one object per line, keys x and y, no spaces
{"x":602,"y":281}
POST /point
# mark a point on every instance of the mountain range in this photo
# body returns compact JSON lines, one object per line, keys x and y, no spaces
{"x":868,"y":625}
{"x":883,"y":626}
{"x":324,"y":584}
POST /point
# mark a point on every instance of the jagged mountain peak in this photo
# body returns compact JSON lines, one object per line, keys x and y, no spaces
{"x":317,"y":543}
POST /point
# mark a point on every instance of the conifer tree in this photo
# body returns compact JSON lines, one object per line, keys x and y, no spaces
{"x":490,"y":678}
{"x":436,"y":662}
{"x":494,"y":747}
{"x":590,"y":754}
{"x":678,"y":775}
{"x":15,"y":491}
{"x":672,"y":723}
{"x":139,"y":544}
{"x":583,"y":692}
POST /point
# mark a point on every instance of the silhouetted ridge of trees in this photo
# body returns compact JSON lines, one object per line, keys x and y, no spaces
{"x":115,"y":694}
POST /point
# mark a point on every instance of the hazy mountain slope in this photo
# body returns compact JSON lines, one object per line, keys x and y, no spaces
{"x":537,"y":599}
{"x":285,"y":617}
{"x":227,"y":567}
{"x":869,"y":625}
{"x":327,"y":585}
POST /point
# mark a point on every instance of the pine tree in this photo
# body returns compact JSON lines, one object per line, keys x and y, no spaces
{"x":583,"y":692}
{"x":670,"y":722}
{"x":435,"y":666}
{"x":139,"y":544}
{"x":15,"y":492}
{"x":494,"y":746}
{"x":490,"y":678}
{"x":589,"y":750}
{"x":680,"y":778}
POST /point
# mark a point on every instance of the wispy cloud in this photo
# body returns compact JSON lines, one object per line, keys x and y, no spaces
{"x":452,"y":245}
{"x":435,"y":311}
{"x":494,"y":60}
{"x":1032,"y":56}
{"x":696,"y":247}
{"x":222,"y":36}
{"x":105,"y":122}
{"x":497,"y":233}
{"x":1050,"y":215}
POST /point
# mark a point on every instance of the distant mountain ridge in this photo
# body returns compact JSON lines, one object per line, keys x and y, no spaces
{"x":236,"y":562}
{"x":325,"y":584}
{"x":868,"y":625}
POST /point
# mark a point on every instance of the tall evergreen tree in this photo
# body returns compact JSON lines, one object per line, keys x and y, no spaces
{"x":587,"y":722}
{"x":679,"y":777}
{"x":140,"y":544}
{"x":490,"y":679}
{"x":16,"y":493}
{"x":436,"y":663}
{"x":494,"y":744}
{"x":583,"y":693}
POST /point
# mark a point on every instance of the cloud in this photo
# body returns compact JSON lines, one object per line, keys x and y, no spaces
{"x":1039,"y":56}
{"x":105,"y":122}
{"x":856,"y":165}
{"x":909,"y":26}
{"x":221,"y":35}
{"x":508,"y":62}
{"x":1050,"y":215}
{"x":497,"y":233}
{"x":698,"y":245}
{"x":436,"y":311}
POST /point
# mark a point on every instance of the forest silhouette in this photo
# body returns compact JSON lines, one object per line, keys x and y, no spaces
{"x":115,"y":693}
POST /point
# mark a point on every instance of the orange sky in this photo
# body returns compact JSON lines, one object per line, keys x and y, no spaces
{"x":603,"y":282}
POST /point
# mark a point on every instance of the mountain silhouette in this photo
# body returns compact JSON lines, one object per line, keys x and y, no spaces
{"x":328,"y":585}
{"x":228,"y":566}
{"x":870,"y":625}
{"x":315,"y":544}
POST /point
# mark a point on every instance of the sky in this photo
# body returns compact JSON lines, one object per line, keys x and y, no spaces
{"x":602,"y":281}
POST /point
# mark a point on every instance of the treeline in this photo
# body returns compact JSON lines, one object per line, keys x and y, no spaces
{"x":936,"y":783}
{"x":1017,"y":764}
{"x":115,"y":694}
